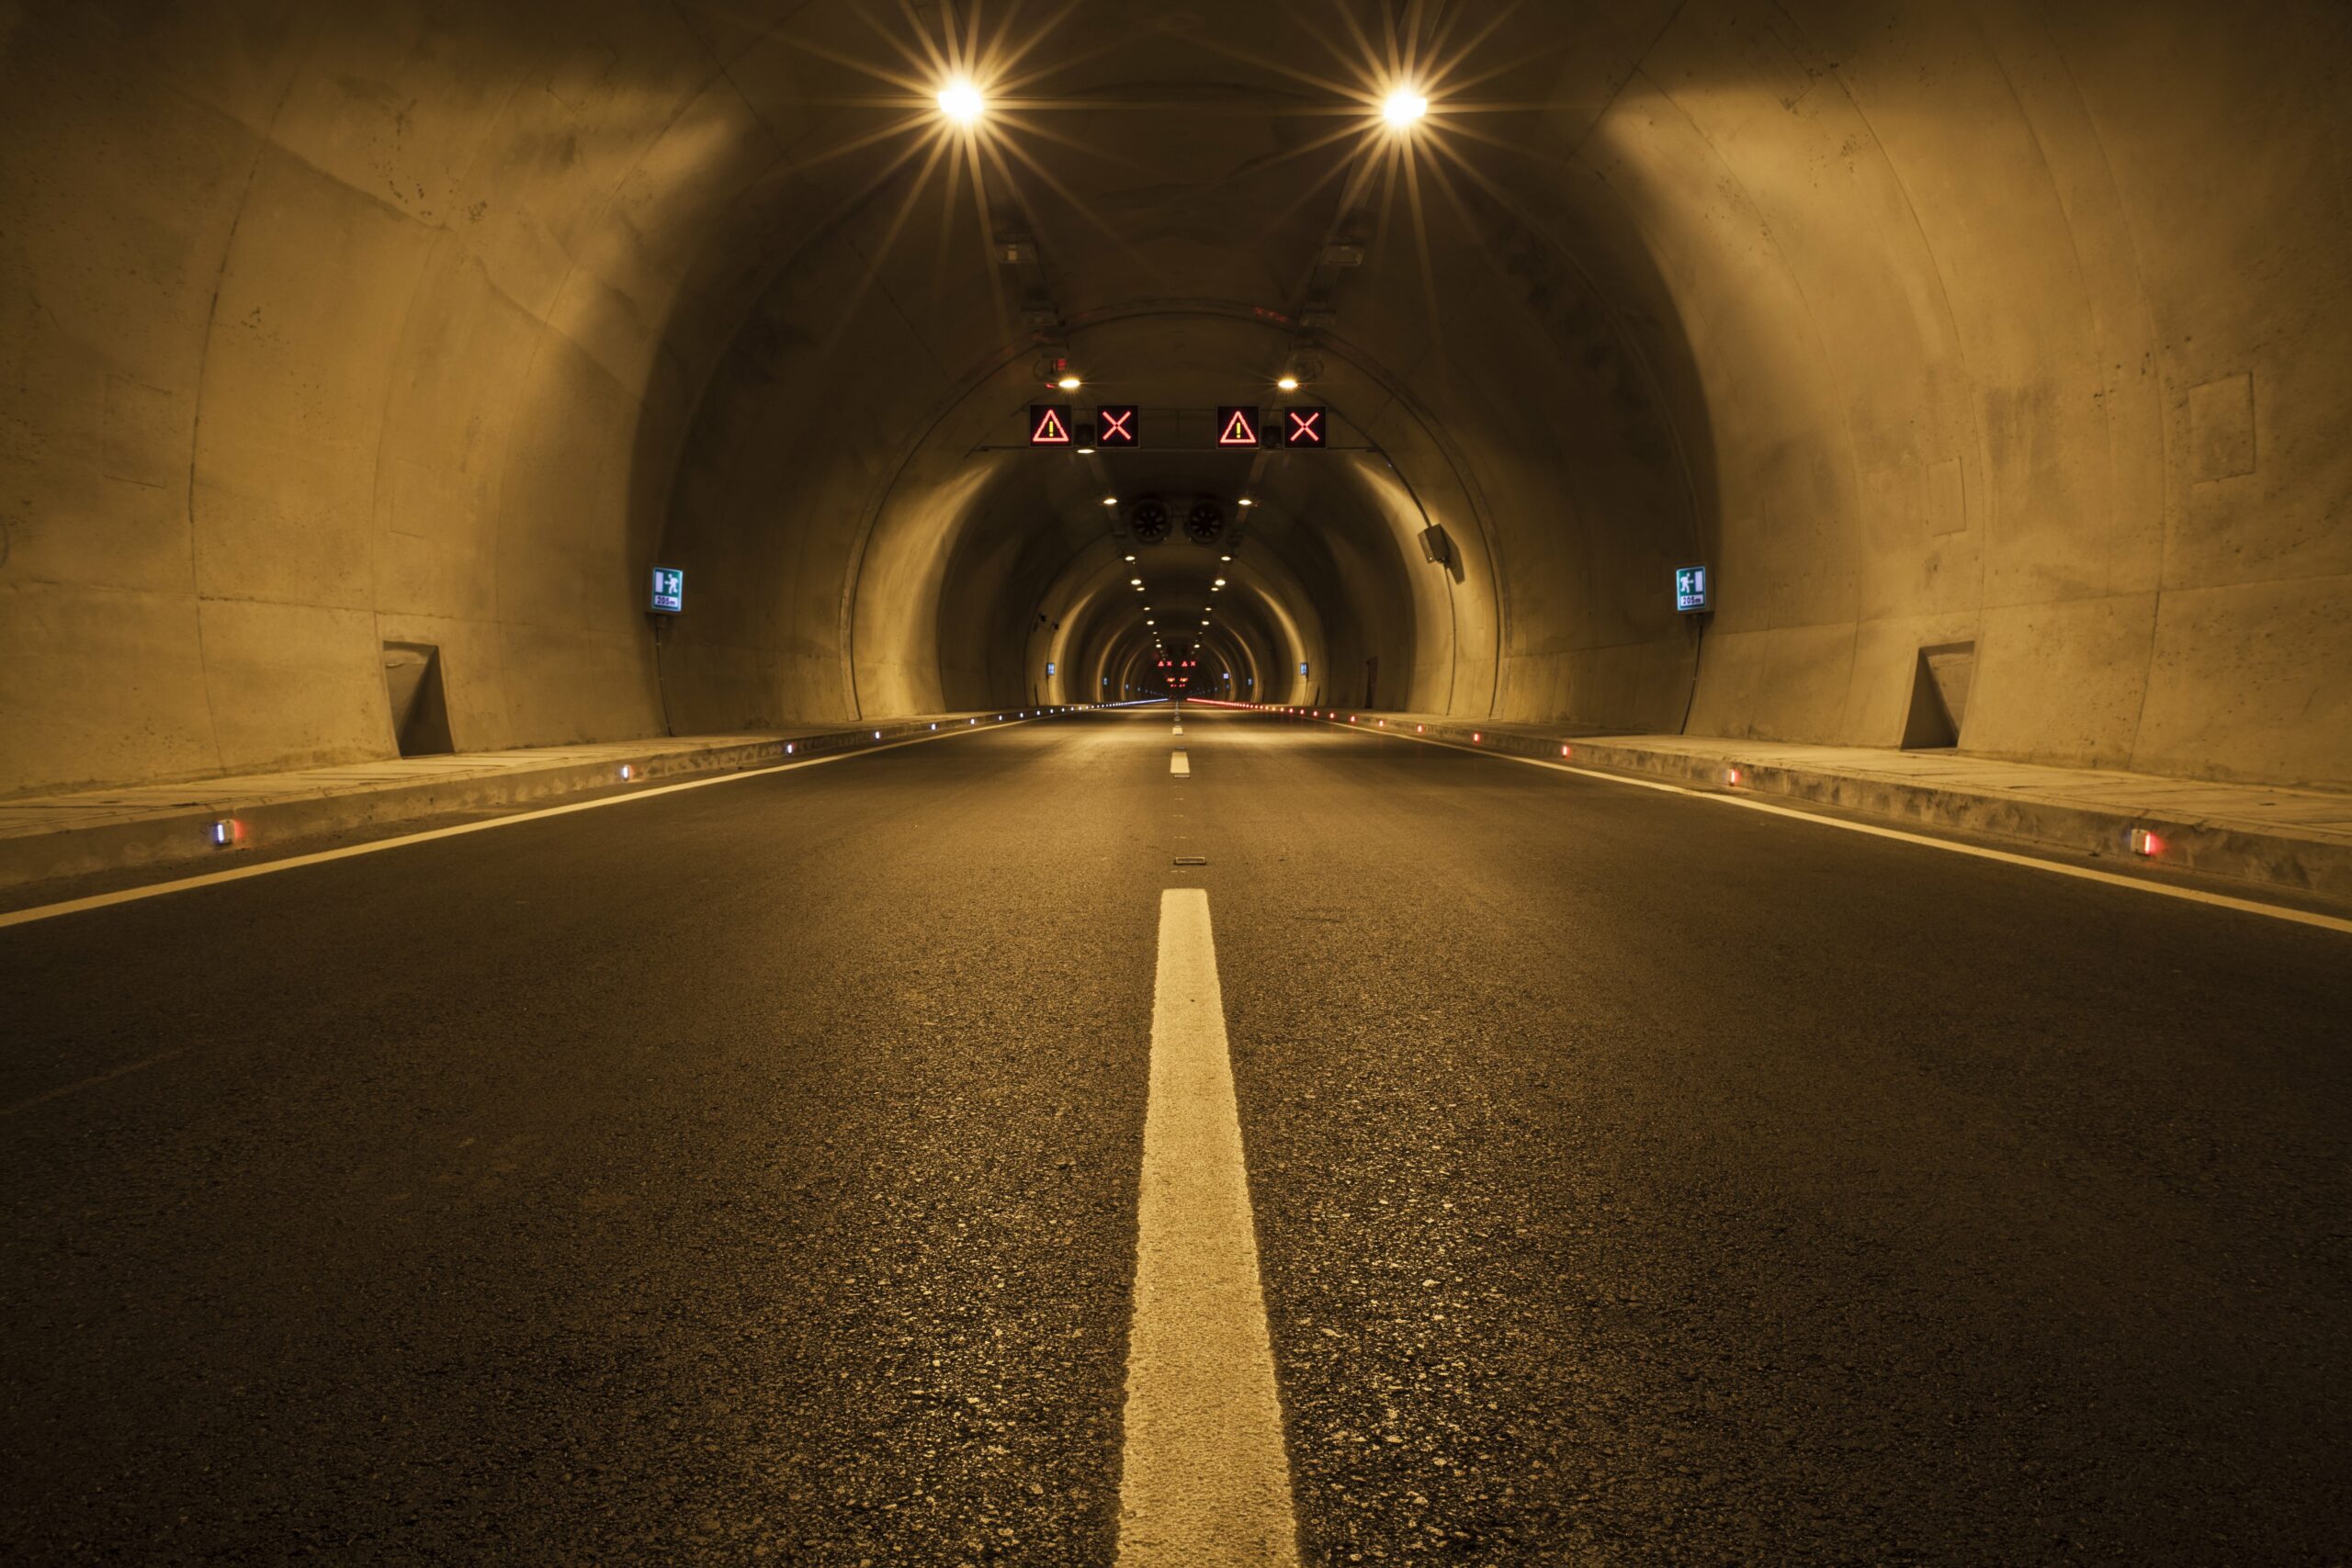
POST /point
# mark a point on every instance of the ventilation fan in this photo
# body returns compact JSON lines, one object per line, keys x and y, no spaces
{"x":1148,"y":519}
{"x":1204,"y":522}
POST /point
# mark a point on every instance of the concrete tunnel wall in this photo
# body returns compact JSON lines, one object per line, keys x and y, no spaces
{"x":1939,"y":322}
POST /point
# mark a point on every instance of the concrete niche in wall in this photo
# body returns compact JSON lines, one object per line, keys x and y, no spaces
{"x":420,"y":709}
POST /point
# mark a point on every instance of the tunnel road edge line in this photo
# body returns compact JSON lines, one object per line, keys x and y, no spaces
{"x":263,"y":868}
{"x":1980,"y":851}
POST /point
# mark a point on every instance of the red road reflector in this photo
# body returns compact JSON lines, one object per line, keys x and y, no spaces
{"x":1306,"y":428}
{"x":1236,"y":425}
{"x":1049,"y":425}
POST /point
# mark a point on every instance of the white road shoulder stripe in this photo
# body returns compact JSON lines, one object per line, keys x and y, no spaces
{"x":375,"y":846}
{"x":1951,"y":846}
{"x":1204,"y":1481}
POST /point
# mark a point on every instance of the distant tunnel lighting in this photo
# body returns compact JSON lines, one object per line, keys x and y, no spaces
{"x":1246,"y":502}
{"x":1288,"y":383}
{"x":1114,"y":500}
{"x":1130,"y":558}
{"x":1403,"y":108}
{"x":1069,"y":383}
{"x":1086,"y":451}
{"x":1220,"y":583}
{"x":961,"y":102}
{"x":1225,"y":558}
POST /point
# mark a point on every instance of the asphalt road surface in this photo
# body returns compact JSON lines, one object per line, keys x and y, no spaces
{"x":754,"y":1172}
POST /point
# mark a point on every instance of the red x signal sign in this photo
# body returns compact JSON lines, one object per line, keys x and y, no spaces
{"x":1237,"y":425}
{"x":1115,"y":426}
{"x":1306,"y":428}
{"x":1049,"y":425}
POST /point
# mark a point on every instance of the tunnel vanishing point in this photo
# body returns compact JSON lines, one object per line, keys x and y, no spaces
{"x":1336,"y":782}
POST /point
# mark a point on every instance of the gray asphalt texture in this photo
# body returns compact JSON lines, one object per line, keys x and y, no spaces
{"x":750,"y":1174}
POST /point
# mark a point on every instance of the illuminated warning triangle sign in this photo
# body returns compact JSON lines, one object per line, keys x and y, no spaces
{"x":1237,"y":426}
{"x":1049,"y":424}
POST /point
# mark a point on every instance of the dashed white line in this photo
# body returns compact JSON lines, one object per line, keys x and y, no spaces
{"x":1180,"y":765}
{"x":1205,"y":1482}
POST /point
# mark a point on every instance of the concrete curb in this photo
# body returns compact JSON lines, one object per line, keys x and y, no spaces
{"x":182,"y":833}
{"x":2317,"y":865}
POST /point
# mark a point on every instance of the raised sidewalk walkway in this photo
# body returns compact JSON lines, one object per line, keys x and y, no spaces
{"x":86,"y":832}
{"x":2295,"y":839}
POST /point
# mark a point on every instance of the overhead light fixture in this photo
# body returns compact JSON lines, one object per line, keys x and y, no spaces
{"x":961,"y":102}
{"x":1244,"y":500}
{"x":1403,"y":108}
{"x":1130,"y":558}
{"x":1114,"y":500}
{"x":1288,"y":383}
{"x":1085,"y":451}
{"x":1137,"y":581}
{"x":1069,"y":383}
{"x":1220,"y":583}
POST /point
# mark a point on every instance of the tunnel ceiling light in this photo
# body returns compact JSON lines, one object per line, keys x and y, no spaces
{"x":1403,"y":108}
{"x":961,"y":102}
{"x":1086,"y":451}
{"x":1288,"y":383}
{"x":1220,"y":583}
{"x":1245,"y":502}
{"x":1114,"y":500}
{"x":1069,"y":383}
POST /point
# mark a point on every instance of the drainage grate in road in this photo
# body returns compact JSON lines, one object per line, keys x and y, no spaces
{"x":1192,"y":859}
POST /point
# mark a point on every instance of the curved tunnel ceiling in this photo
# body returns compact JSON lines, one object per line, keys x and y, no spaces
{"x":1976,"y":327}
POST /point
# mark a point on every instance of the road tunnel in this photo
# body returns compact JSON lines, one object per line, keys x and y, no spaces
{"x":1918,"y":428}
{"x":1966,"y":327}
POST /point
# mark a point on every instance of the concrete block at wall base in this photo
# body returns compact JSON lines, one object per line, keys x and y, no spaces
{"x":172,"y":825}
{"x":2293,"y":840}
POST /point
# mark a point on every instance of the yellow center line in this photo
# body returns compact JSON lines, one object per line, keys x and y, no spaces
{"x":1205,"y":1479}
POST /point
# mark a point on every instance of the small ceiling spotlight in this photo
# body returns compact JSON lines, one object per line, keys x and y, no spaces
{"x":1137,"y":581}
{"x":1131,"y":558}
{"x":1244,"y":500}
{"x":961,"y":102}
{"x":1225,"y":558}
{"x":1114,"y":500}
{"x":1220,"y":583}
{"x":1288,"y":383}
{"x":1069,"y":383}
{"x":1084,"y":451}
{"x":1403,"y":108}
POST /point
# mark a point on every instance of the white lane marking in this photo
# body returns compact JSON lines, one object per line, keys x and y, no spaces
{"x":2082,"y":873}
{"x":1179,"y":729}
{"x":1204,"y":1480}
{"x":263,"y":868}
{"x":1179,"y":765}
